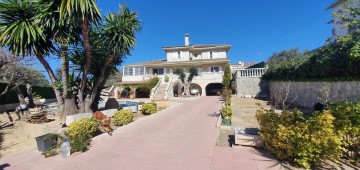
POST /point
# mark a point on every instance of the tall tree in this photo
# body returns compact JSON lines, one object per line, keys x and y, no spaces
{"x":227,"y":77}
{"x":285,"y":55}
{"x":62,"y":27}
{"x":193,"y":71}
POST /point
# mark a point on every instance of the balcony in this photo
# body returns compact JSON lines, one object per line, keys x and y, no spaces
{"x":209,"y":76}
{"x":202,"y":76}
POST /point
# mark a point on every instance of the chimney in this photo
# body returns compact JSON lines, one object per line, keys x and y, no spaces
{"x":186,"y":39}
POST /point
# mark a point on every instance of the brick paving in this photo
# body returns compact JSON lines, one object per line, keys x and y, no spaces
{"x":181,"y":137}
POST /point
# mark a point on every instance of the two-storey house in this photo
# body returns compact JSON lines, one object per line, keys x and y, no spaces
{"x":210,"y":59}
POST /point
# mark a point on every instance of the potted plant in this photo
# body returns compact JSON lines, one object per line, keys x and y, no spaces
{"x":47,"y":141}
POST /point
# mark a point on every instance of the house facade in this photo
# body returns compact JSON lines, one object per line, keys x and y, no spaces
{"x":340,"y":29}
{"x":209,"y":59}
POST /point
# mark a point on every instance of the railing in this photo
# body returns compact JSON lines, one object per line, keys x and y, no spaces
{"x":209,"y":76}
{"x":153,"y":90}
{"x":201,"y":76}
{"x":168,"y":91}
{"x":253,"y":72}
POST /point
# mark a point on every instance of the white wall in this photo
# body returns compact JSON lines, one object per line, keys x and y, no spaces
{"x":133,"y":78}
{"x":220,"y":53}
{"x":185,"y":55}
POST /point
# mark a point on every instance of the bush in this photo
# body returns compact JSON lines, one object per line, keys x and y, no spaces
{"x":80,"y":133}
{"x":11,"y":96}
{"x":123,"y":117}
{"x":226,"y":112}
{"x":226,"y":96}
{"x":149,"y":108}
{"x":166,"y":78}
{"x":290,"y":137}
{"x":347,"y":125}
{"x":335,"y":61}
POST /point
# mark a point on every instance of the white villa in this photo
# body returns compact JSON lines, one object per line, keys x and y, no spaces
{"x":210,"y":59}
{"x":338,"y":28}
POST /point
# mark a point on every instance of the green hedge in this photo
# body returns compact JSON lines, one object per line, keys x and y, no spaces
{"x":338,"y":60}
{"x":11,"y":96}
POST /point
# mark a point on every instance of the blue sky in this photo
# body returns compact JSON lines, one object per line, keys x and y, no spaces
{"x":254,"y":28}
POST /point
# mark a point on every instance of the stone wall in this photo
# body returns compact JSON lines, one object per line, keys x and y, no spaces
{"x":251,"y":87}
{"x":308,"y":93}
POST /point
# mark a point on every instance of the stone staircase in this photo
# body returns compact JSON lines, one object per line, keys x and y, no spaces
{"x":160,"y":92}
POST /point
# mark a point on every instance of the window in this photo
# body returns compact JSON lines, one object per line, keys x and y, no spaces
{"x":179,"y":54}
{"x":215,"y":69}
{"x":139,"y":71}
{"x":161,"y":71}
{"x":158,"y":71}
{"x":211,"y":54}
{"x":142,"y":71}
{"x":128,"y":71}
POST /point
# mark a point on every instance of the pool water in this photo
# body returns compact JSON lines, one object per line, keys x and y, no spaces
{"x":122,"y":104}
{"x":128,"y":103}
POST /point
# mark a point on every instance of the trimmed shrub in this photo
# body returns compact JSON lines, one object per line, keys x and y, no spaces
{"x":149,"y":108}
{"x":80,"y":133}
{"x":226,"y":112}
{"x":123,"y":117}
{"x":166,"y":78}
{"x":347,"y":125}
{"x":11,"y":96}
{"x":290,"y":137}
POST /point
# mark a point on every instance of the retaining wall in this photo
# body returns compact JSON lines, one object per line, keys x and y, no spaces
{"x":306,"y":94}
{"x":251,"y":87}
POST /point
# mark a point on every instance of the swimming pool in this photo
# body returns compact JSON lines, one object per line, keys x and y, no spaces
{"x":122,"y":104}
{"x":128,"y":103}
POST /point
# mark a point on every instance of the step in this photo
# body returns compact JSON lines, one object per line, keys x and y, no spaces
{"x":242,"y":137}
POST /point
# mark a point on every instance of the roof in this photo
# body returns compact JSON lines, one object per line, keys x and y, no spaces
{"x":172,"y":63}
{"x":334,"y":4}
{"x":198,"y":46}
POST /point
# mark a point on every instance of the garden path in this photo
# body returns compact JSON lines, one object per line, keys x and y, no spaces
{"x":180,"y":137}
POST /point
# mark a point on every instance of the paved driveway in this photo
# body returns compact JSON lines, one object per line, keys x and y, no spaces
{"x":182,"y":137}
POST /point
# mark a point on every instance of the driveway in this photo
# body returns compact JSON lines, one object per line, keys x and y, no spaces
{"x":181,"y":137}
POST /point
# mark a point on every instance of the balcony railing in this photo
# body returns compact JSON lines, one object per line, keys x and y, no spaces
{"x":209,"y":76}
{"x":201,"y":76}
{"x":253,"y":72}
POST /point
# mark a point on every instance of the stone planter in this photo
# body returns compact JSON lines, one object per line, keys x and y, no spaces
{"x":45,"y":142}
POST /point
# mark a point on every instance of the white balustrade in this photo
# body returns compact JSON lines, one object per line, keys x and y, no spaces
{"x":253,"y":72}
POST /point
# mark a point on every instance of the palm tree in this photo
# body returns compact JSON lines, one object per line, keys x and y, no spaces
{"x":22,"y":32}
{"x":85,"y":13}
{"x":30,"y":27}
{"x":111,"y":41}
